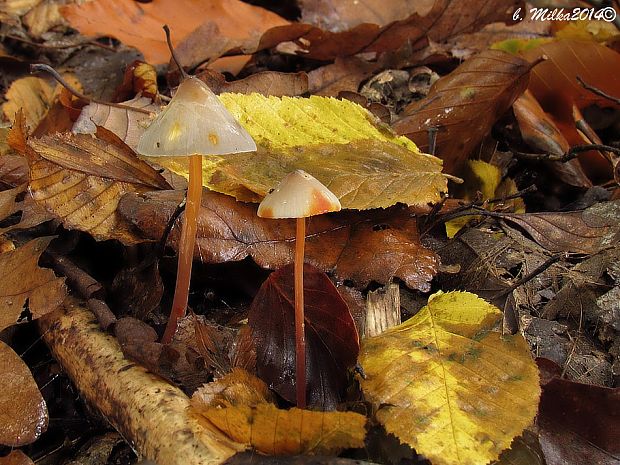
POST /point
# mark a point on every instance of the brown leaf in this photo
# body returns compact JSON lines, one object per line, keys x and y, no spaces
{"x":575,"y":416}
{"x":139,"y":24}
{"x":465,"y":104}
{"x":31,"y":94}
{"x":240,"y":405}
{"x":332,"y":342}
{"x":340,"y":15}
{"x":40,"y":287}
{"x":139,"y":78}
{"x":16,"y":457}
{"x":23,"y":413}
{"x":137,"y":290}
{"x":81,"y":179}
{"x":362,"y":247}
{"x":446,"y":19}
{"x":554,"y":84}
{"x":265,"y":82}
{"x":42,"y":18}
{"x":13,"y":170}
{"x":540,"y":132}
{"x":345,"y":74}
{"x":8,"y":203}
{"x":585,"y":231}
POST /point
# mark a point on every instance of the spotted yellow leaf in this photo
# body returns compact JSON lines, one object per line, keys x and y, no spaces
{"x":337,"y":141}
{"x":447,"y":385}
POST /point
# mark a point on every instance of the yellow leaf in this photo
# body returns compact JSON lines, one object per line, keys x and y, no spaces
{"x":237,"y":404}
{"x":34,"y":96}
{"x":338,"y":142}
{"x":485,"y":178}
{"x":599,"y":31}
{"x":447,"y":385}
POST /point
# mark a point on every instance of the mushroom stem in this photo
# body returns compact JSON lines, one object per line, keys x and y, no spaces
{"x":300,"y":336}
{"x":186,"y":247}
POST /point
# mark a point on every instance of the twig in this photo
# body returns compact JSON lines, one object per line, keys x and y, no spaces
{"x":432,"y":139}
{"x":597,"y":91}
{"x":94,"y":43}
{"x":572,"y":153}
{"x":175,"y":58}
{"x":164,"y":237}
{"x":528,"y":277}
{"x":48,"y":69}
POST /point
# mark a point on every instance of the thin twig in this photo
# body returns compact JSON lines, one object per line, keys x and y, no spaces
{"x":59,"y":47}
{"x":48,"y":69}
{"x":572,"y":153}
{"x":175,"y":58}
{"x":528,"y":277}
{"x":597,"y":91}
{"x":169,"y":225}
{"x":432,"y":139}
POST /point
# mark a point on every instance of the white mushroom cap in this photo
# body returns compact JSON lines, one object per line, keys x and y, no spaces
{"x":298,"y":195}
{"x":194,"y":122}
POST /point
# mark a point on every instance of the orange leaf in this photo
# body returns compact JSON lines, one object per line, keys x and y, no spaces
{"x":140,"y":24}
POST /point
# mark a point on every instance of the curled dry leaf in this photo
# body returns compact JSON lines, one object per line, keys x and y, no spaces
{"x":265,"y":82}
{"x":23,"y":413}
{"x":32,"y":94}
{"x":361,"y":247}
{"x":80,"y":179}
{"x":238,"y":405}
{"x":554,"y":84}
{"x":540,"y":132}
{"x":332,"y":341}
{"x":465,"y":104}
{"x":139,"y":24}
{"x":345,"y":74}
{"x":447,"y":385}
{"x":586,"y":231}
{"x":127,"y":125}
{"x":139,"y":78}
{"x":446,"y":19}
{"x":27,"y":281}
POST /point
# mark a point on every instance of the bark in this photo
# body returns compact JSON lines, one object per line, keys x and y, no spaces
{"x":151,"y":414}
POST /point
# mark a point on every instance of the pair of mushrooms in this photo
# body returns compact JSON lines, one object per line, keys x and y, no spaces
{"x":196,"y":123}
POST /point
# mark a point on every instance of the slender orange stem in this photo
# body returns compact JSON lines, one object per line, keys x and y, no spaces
{"x":186,"y":247}
{"x":300,"y":336}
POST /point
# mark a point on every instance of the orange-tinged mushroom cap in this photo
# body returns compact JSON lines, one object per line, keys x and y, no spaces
{"x":298,"y":195}
{"x":194,"y":122}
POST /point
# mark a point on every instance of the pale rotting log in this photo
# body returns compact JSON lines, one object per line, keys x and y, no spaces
{"x":150,"y":413}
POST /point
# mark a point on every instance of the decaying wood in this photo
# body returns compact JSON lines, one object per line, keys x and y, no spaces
{"x":150,"y":413}
{"x":382,"y":310}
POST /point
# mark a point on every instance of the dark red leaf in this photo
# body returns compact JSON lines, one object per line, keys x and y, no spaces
{"x":332,"y":342}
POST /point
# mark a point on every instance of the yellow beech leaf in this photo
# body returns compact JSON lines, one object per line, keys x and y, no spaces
{"x":447,"y":385}
{"x":238,"y":405}
{"x":337,"y":141}
{"x":486,"y":179}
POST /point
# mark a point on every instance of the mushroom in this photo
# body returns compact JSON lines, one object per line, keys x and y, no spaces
{"x":299,"y":195}
{"x":195,"y":123}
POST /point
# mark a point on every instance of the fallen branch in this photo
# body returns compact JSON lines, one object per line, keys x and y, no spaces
{"x":147,"y":411}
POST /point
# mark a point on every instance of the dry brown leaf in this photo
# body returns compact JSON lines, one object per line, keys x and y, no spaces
{"x":540,"y":132}
{"x":40,"y":287}
{"x":586,"y":231}
{"x":339,"y":15}
{"x":43,"y":17}
{"x":139,"y":78}
{"x":362,"y":247}
{"x":465,"y":104}
{"x":23,"y":413}
{"x":264,"y":82}
{"x":237,"y":404}
{"x":16,"y":8}
{"x":446,"y":19}
{"x":13,"y":170}
{"x":16,"y":457}
{"x":554,"y":84}
{"x":80,"y":179}
{"x":139,"y":24}
{"x":345,"y":74}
